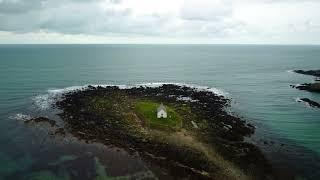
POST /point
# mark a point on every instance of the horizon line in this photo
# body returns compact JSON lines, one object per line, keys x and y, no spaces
{"x":239,"y":44}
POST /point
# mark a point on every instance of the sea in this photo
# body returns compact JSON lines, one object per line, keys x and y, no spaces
{"x":256,"y":78}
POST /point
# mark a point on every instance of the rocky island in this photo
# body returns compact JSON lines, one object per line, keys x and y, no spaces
{"x":198,"y":140}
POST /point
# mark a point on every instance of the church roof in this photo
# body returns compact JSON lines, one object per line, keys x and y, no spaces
{"x":161,"y":107}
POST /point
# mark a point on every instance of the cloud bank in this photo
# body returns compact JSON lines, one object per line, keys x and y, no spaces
{"x":179,"y":21}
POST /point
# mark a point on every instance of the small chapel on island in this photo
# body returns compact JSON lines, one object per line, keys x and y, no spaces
{"x":162,"y":112}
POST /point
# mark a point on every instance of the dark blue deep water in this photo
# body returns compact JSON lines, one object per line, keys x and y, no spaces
{"x":256,"y":78}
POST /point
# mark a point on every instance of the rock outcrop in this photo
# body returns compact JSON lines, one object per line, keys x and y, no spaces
{"x":315,"y":73}
{"x":312,"y":87}
{"x":310,"y":102}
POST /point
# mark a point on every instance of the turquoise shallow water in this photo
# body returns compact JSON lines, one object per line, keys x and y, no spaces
{"x":257,"y":78}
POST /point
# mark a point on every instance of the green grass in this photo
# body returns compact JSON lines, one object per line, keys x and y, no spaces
{"x":148,"y":110}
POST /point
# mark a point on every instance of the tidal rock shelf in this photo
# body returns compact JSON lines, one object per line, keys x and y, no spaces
{"x":200,"y":141}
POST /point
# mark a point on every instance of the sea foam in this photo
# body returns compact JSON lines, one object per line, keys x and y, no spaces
{"x":298,"y":99}
{"x":20,"y":116}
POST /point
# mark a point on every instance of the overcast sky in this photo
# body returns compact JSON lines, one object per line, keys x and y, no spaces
{"x":160,"y":21}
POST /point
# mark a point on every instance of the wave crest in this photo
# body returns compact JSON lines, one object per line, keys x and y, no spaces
{"x":20,"y":116}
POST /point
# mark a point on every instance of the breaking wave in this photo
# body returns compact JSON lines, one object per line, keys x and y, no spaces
{"x":298,"y":99}
{"x":21,"y":117}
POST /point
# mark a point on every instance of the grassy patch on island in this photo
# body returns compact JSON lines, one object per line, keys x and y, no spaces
{"x":148,"y":111}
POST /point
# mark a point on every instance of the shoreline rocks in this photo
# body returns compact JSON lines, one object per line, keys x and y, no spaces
{"x":310,"y":102}
{"x":315,"y":73}
{"x":311,"y":87}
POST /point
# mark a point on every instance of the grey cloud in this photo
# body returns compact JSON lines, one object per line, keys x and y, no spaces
{"x":65,"y":16}
{"x":75,"y":17}
{"x":18,"y":6}
{"x":22,"y":6}
{"x":205,"y":10}
{"x":88,"y":17}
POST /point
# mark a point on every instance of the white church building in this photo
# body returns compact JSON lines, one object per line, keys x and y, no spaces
{"x":162,"y":112}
